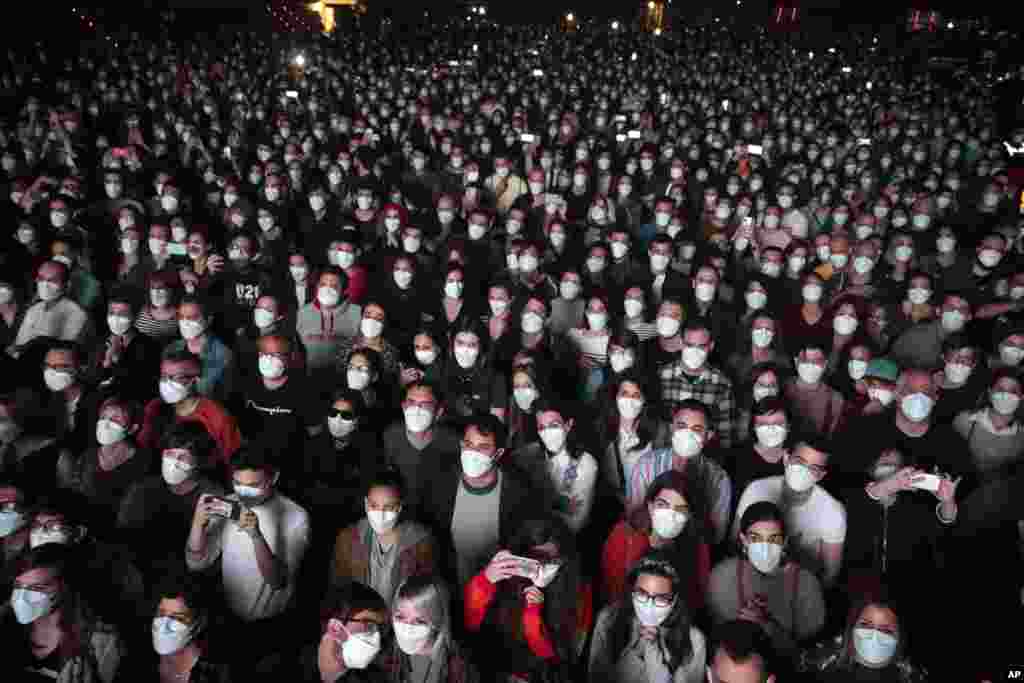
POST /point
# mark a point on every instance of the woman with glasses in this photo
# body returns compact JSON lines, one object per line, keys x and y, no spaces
{"x":672,"y":522}
{"x":385,"y":547}
{"x":353,"y":646}
{"x":426,"y":651}
{"x":529,"y":607}
{"x":764,"y":586}
{"x":363,"y":375}
{"x":56,"y":635}
{"x":648,"y":634}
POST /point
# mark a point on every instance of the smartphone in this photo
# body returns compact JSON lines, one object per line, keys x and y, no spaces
{"x":864,"y":141}
{"x":527,"y":567}
{"x":175,"y":249}
{"x":538,"y":73}
{"x":755,"y":149}
{"x":664,"y":98}
{"x":228,"y":509}
{"x":292,"y":94}
{"x":227,"y":152}
{"x":633,"y":135}
{"x":846,"y":70}
{"x":620,"y":138}
{"x":621,"y":118}
{"x":869,"y":85}
{"x":927,"y":482}
{"x":725,"y":105}
{"x":527,"y":137}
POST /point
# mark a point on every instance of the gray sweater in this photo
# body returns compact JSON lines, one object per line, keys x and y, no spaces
{"x":322,"y":331}
{"x":990,"y":451}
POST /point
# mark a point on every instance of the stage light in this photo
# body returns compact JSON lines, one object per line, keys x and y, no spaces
{"x":569,"y":16}
{"x":300,"y":60}
{"x":950,"y":25}
{"x":483,"y":11}
{"x":657,"y":31}
{"x":615,"y":26}
{"x":650,"y":5}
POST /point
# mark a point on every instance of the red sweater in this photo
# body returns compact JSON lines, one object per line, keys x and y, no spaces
{"x":479,"y":594}
{"x":626,"y":545}
{"x":221,"y":427}
{"x":358,"y":284}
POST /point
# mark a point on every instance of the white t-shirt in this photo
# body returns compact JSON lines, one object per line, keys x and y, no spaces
{"x":285,"y":526}
{"x":822,"y":519}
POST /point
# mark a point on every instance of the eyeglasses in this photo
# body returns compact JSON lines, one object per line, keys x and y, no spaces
{"x":661,"y":600}
{"x":362,"y":626}
{"x":817,"y":470}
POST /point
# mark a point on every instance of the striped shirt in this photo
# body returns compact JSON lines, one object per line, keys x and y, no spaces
{"x":719,"y":486}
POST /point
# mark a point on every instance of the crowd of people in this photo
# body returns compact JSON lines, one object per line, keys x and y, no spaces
{"x":584,"y":357}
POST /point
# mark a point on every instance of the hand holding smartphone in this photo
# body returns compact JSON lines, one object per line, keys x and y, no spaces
{"x":222,"y":507}
{"x":926,"y":482}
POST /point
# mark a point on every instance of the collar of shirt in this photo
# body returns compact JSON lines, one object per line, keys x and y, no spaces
{"x":985,"y":420}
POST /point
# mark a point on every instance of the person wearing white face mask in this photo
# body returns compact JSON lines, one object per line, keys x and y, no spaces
{"x":693,"y":375}
{"x":537,"y":567}
{"x":653,"y":607}
{"x":691,"y":431}
{"x":993,"y":434}
{"x":474,"y":386}
{"x":668,"y":523}
{"x":178,"y":627}
{"x":419,"y":438}
{"x":324,"y":323}
{"x":422,"y":624}
{"x":262,"y":547}
{"x":48,"y":609}
{"x":590,"y":340}
{"x":567,"y":309}
{"x":383,"y":548}
{"x":53,"y":314}
{"x":812,"y":515}
{"x":764,"y":586}
{"x":217,"y":359}
{"x":921,"y":345}
{"x":272,"y":404}
{"x":763,"y":455}
{"x":817,"y":407}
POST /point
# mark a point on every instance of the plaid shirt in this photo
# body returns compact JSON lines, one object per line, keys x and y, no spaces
{"x":711,"y":387}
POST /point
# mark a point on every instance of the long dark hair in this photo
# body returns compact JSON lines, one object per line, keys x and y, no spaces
{"x":678,"y":649}
{"x":877,"y":597}
{"x":683,"y":551}
{"x":647,"y":422}
{"x":561,"y":596}
{"x":75,"y":618}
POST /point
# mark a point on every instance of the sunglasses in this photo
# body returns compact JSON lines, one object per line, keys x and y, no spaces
{"x":343,"y":414}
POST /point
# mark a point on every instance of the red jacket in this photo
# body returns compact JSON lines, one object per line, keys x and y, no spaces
{"x":479,"y":594}
{"x":358,"y":284}
{"x":626,"y":545}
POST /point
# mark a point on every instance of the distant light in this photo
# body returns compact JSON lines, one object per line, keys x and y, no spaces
{"x":846,"y":69}
{"x":650,"y":5}
{"x":615,"y":26}
{"x":569,"y":16}
{"x":876,"y":40}
{"x":657,"y":31}
{"x":739,"y":2}
{"x":475,"y":47}
{"x":811,"y":55}
{"x":483,"y":11}
{"x":300,"y":60}
{"x":950,"y":25}
{"x":633,"y":58}
{"x":831,"y":50}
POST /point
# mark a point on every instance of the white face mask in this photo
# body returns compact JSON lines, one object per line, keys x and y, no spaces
{"x":475,"y":464}
{"x":11,"y":521}
{"x":554,"y":439}
{"x":952,"y":321}
{"x":172,"y":392}
{"x":48,"y":291}
{"x":705,"y":292}
{"x":686,"y":443}
{"x":271,"y":367}
{"x":810,"y":373}
{"x":1005,"y":403}
{"x":175,"y":471}
{"x":190,"y":329}
{"x":667,"y":327}
{"x":812,"y":293}
{"x":371,"y":328}
{"x":668,"y":524}
{"x":597,"y":321}
{"x":957,"y":373}
{"x":799,"y":477}
{"x":528,"y":264}
{"x":170,"y":635}
{"x":883,"y":396}
{"x":411,"y":637}
{"x":418,"y":419}
{"x":524,"y":397}
{"x":498,"y":306}
{"x":359,"y":649}
{"x":659,"y":263}
{"x":990,"y":258}
{"x":874,"y":647}
{"x":771,"y":436}
{"x":453,"y":290}
{"x":29,"y":605}
{"x":919,"y":296}
{"x":58,"y":380}
{"x":109,"y":432}
{"x":764,"y":556}
{"x":844,"y":324}
{"x":857,"y":368}
{"x":358,"y":379}
{"x":569,"y":290}
{"x":532,"y":323}
{"x":756,"y":300}
{"x":863,"y":265}
{"x":328,"y":296}
{"x":466,"y":356}
{"x":694,"y":357}
{"x":917,"y":407}
{"x":762,"y":337}
{"x":118,"y":324}
{"x":649,"y":614}
{"x":37,"y":538}
{"x":382,"y":521}
{"x":629,"y":408}
{"x":1011,"y":355}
